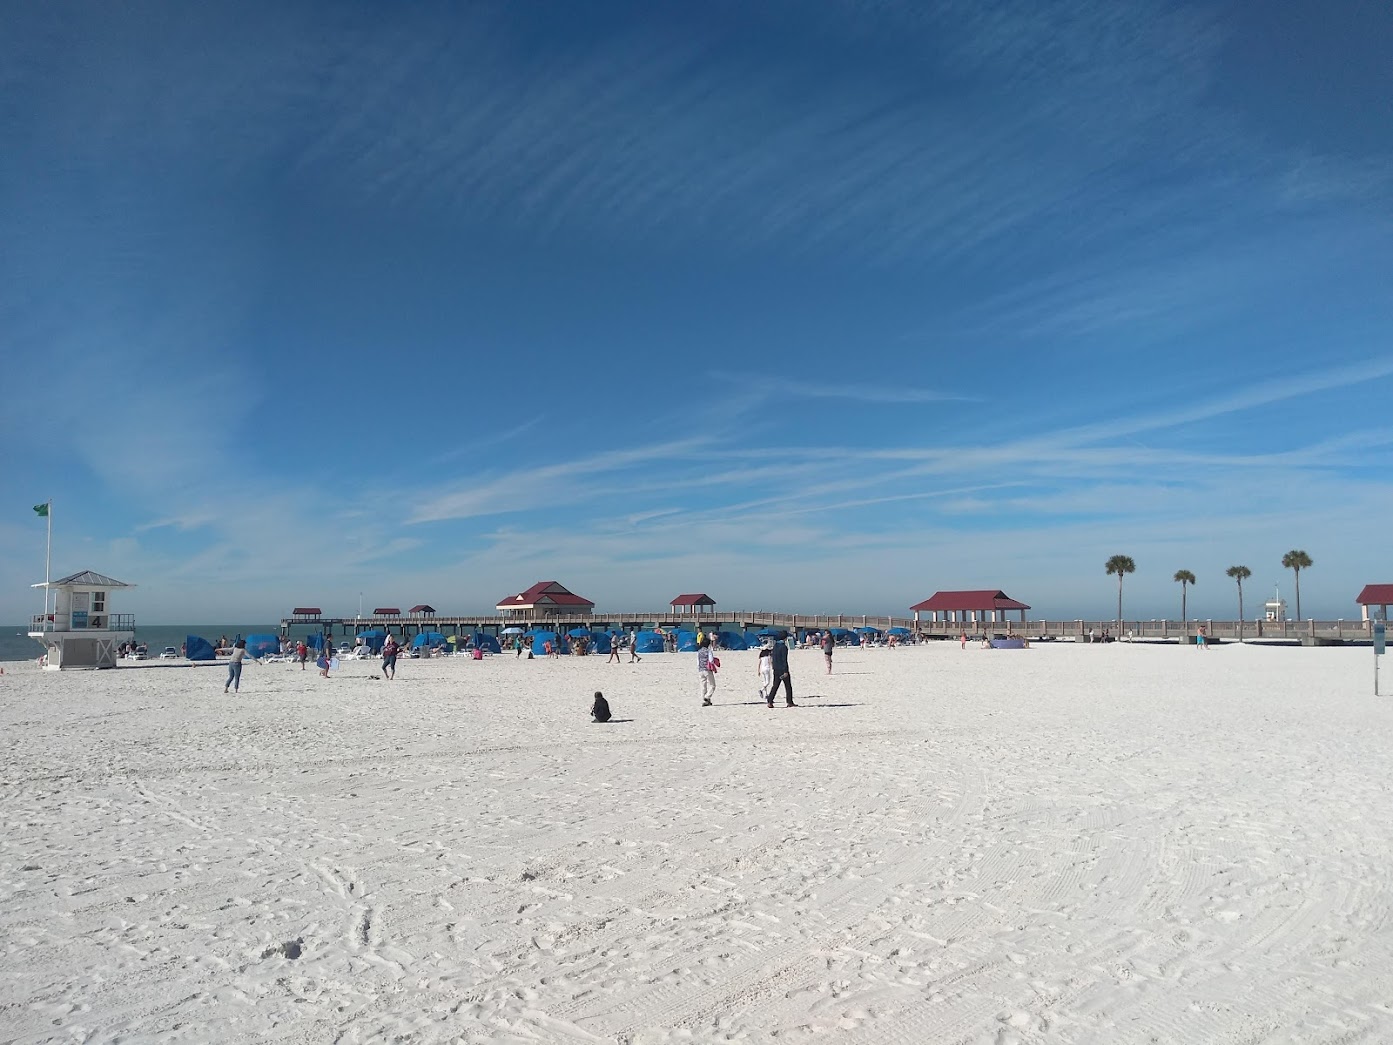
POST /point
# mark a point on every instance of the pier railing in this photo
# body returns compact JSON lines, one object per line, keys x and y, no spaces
{"x":1077,"y":629}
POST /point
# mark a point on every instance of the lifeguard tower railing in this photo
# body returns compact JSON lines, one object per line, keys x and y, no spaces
{"x":95,"y":622}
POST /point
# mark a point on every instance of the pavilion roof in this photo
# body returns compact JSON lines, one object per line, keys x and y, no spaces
{"x":1376,"y":595}
{"x":701,"y":599}
{"x":422,"y":608}
{"x":543,"y":593}
{"x":985,"y":599}
{"x":386,"y":611}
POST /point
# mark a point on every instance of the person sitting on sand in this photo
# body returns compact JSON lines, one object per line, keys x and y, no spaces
{"x":599,"y":710}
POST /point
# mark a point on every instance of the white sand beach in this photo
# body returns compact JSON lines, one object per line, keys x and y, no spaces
{"x":1105,"y":844}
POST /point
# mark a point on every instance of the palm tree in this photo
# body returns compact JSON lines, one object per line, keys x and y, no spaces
{"x":1185,"y":579}
{"x":1120,"y":564}
{"x":1297,"y":560}
{"x":1240,"y":574}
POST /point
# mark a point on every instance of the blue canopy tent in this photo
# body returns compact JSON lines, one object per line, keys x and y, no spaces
{"x":686,"y":641}
{"x":868,"y":630}
{"x":843,"y":635}
{"x":578,"y":633}
{"x":558,"y":642}
{"x":373,"y":639}
{"x":648,"y":642}
{"x":600,"y":642}
{"x":899,"y":631}
{"x":316,"y":642}
{"x":263,"y":645}
{"x":773,"y":633}
{"x":751,"y":639}
{"x":487,"y":643}
{"x":196,"y":648}
{"x":428,"y":639}
{"x":733,"y":640}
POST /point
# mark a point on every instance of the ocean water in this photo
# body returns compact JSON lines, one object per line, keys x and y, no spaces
{"x":15,"y":643}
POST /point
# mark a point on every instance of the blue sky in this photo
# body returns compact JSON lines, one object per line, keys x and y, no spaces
{"x":816,"y":306}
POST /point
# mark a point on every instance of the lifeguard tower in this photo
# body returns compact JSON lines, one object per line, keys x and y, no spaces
{"x":81,"y":632}
{"x":1275,"y":608}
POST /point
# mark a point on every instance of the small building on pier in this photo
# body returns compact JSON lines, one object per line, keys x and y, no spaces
{"x":694,"y":604}
{"x":987,"y":605}
{"x":545,"y":599}
{"x":422,"y":610}
{"x":386,"y":611}
{"x":1374,"y":601}
{"x":81,"y":631}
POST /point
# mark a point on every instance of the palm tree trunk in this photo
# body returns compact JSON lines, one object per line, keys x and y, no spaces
{"x":1119,"y":605}
{"x":1298,"y":594}
{"x":1240,"y":611}
{"x":1184,"y":628}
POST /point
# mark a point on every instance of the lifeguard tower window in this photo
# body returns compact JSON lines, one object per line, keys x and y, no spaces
{"x":99,"y":602}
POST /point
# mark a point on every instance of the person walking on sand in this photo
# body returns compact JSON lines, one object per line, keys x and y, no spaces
{"x":779,"y":656}
{"x":1202,"y":639}
{"x":390,"y":649}
{"x":634,"y":658}
{"x":614,"y":650}
{"x":302,"y":653}
{"x":234,"y":666}
{"x":765,"y":669}
{"x":706,"y":669}
{"x":828,"y":645}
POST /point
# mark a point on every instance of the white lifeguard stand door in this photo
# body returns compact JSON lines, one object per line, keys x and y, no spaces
{"x":1275,"y":609}
{"x":81,"y":632}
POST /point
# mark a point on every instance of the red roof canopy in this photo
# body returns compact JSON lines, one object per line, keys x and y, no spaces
{"x":693,"y":600}
{"x":305,"y":611}
{"x":423,"y":608}
{"x":986,"y":599}
{"x":543,"y":593}
{"x":1376,"y":595}
{"x":386,"y":611}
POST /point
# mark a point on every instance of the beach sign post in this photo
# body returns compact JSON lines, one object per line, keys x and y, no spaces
{"x":1380,"y":640}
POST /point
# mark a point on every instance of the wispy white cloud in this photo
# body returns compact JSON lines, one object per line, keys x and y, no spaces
{"x":869,"y":393}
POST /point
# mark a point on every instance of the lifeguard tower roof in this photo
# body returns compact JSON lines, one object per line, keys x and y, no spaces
{"x":85,"y":579}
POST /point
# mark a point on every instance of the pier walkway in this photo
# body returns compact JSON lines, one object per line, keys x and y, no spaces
{"x":1308,"y":631}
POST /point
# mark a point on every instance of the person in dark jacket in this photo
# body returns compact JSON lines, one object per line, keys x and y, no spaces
{"x":599,"y":710}
{"x":779,"y":655}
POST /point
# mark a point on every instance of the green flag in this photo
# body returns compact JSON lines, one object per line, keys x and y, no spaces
{"x":41,"y":509}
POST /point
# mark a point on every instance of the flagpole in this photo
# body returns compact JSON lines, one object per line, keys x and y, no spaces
{"x":48,"y":558}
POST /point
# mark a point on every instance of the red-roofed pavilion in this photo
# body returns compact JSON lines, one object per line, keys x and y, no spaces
{"x":386,"y":611}
{"x":694,"y":603}
{"x":964,"y":606}
{"x":1375,"y":595}
{"x":545,"y":598}
{"x":422,"y":610}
